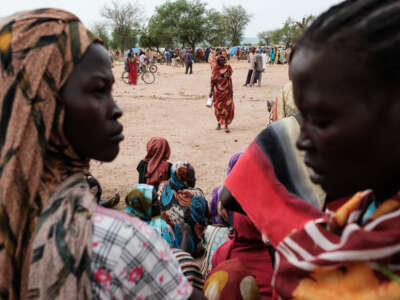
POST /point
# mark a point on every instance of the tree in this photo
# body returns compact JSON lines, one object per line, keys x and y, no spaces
{"x":216,"y":35}
{"x":305,"y":22}
{"x":290,"y":32}
{"x":125,"y":18}
{"x":265,"y":37}
{"x":130,"y":41}
{"x":182,"y":20}
{"x":236,"y":19}
{"x":276,"y":36}
{"x":100,"y":30}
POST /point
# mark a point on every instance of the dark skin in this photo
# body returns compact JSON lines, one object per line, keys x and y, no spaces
{"x":350,"y":124}
{"x":91,"y":114}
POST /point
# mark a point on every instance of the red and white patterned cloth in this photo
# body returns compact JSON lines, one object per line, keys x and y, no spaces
{"x":131,"y":261}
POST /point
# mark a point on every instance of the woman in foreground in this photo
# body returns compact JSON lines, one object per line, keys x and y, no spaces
{"x":57,"y":113}
{"x":350,"y":135}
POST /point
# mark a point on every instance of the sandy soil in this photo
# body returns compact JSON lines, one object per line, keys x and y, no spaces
{"x":174,"y":107}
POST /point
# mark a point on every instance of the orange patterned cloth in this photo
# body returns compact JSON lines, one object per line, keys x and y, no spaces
{"x":224,"y":108}
{"x":38,"y":51}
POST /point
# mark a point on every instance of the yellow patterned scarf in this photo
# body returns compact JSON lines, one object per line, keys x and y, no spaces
{"x":38,"y":51}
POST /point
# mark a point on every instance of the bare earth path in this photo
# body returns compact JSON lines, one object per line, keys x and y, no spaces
{"x":174,"y":107}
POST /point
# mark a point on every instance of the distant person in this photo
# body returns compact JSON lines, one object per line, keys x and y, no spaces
{"x":189,"y":61}
{"x":272,"y":55}
{"x":222,"y":93}
{"x":131,"y":62}
{"x":167,"y":55}
{"x":264,"y":59}
{"x":142,"y":60}
{"x":207,"y":54}
{"x":257,"y":63}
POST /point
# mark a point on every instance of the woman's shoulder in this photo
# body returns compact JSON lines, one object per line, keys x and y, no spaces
{"x":131,"y":260}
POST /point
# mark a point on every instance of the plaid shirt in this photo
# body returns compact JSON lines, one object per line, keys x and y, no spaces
{"x":131,"y":261}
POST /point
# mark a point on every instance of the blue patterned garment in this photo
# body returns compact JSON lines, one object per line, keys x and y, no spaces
{"x":181,"y":204}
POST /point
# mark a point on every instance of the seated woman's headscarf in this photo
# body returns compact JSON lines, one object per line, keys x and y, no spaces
{"x":248,"y":246}
{"x":182,"y":204}
{"x":139,"y":203}
{"x":158,"y":153}
{"x":231,"y":280}
{"x":38,"y":51}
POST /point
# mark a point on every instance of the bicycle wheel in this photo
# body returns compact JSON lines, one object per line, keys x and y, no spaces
{"x":148,"y":77}
{"x":125,"y":77}
{"x":153,"y":68}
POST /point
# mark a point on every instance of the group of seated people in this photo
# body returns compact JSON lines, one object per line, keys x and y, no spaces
{"x":270,"y":231}
{"x":167,"y":200}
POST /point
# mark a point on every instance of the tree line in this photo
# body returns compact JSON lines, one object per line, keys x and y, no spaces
{"x":288,"y":34}
{"x":174,"y":24}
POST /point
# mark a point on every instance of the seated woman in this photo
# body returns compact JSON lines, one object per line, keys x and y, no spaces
{"x":57,"y":113}
{"x":219,"y":215}
{"x":155,"y":167}
{"x":141,"y":201}
{"x":247,"y":246}
{"x":350,"y":136}
{"x":221,"y":220}
{"x":182,"y":203}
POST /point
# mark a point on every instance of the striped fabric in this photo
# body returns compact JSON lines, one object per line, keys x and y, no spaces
{"x":341,"y":255}
{"x":189,"y":268}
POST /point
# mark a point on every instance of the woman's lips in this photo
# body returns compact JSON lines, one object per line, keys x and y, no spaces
{"x":316,"y":175}
{"x":117,"y":137}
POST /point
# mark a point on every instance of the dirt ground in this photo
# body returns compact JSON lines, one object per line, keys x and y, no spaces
{"x":174,"y":108}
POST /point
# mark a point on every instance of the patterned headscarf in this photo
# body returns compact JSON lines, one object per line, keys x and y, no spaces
{"x":158,"y":152}
{"x":139,"y":201}
{"x":38,"y":51}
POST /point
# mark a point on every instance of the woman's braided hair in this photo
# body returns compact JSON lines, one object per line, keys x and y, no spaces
{"x":368,"y":29}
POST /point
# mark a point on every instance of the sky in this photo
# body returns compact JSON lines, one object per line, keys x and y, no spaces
{"x":265,"y":14}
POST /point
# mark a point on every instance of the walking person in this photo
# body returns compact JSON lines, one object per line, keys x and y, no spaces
{"x":257,"y":69}
{"x":222,"y":93}
{"x":189,"y":61}
{"x":132,"y":67}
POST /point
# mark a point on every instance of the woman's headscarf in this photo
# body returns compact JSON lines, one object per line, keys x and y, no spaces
{"x":139,"y":201}
{"x":38,"y":51}
{"x":158,"y":152}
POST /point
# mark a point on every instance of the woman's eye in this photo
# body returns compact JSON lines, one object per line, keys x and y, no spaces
{"x":100,"y":92}
{"x":322,"y":123}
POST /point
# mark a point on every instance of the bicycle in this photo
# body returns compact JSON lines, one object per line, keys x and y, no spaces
{"x":146,"y":75}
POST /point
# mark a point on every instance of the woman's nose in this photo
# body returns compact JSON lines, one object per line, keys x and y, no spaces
{"x":117,"y":112}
